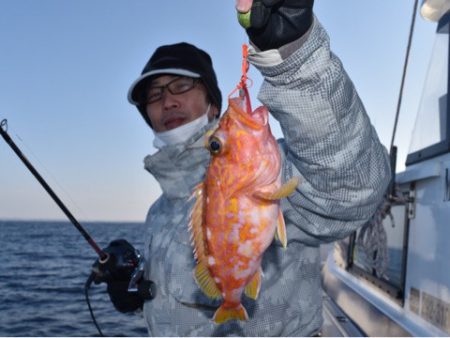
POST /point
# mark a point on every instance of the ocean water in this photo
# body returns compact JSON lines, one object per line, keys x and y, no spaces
{"x":44,"y":266}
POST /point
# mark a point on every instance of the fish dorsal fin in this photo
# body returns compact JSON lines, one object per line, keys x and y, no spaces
{"x":196,"y":223}
{"x":196,"y":226}
{"x":284,"y":191}
{"x":253,"y":287}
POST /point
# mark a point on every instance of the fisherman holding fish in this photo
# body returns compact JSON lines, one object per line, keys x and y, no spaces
{"x":233,"y":241}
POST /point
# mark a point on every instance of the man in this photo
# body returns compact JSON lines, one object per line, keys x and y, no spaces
{"x":328,"y":142}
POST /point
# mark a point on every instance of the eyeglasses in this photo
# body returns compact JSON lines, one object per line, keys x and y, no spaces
{"x":177,"y":86}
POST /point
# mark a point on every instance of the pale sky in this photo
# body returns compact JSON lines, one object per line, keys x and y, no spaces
{"x":66,"y":66}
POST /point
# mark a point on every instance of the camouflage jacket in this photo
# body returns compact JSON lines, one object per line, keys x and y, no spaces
{"x":329,"y":143}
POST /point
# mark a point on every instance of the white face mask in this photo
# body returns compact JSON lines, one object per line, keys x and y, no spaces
{"x":182,"y":133}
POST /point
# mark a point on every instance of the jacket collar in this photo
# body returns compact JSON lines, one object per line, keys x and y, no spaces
{"x":179,"y":168}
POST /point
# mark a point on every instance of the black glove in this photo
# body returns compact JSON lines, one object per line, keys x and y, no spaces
{"x":271,"y":24}
{"x":122,"y":267}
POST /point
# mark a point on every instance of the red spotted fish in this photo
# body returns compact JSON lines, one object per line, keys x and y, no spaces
{"x":237,"y":211}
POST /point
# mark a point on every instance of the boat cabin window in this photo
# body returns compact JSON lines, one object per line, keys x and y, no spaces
{"x":431,"y":134}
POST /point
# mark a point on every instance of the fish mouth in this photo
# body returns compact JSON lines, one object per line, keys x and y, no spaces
{"x":257,"y":119}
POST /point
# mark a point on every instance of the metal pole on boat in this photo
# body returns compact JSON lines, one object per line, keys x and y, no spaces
{"x":3,"y":131}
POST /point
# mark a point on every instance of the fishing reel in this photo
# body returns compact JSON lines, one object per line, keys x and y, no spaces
{"x":122,"y":270}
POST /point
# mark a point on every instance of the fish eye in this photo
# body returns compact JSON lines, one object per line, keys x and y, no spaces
{"x":215,"y":145}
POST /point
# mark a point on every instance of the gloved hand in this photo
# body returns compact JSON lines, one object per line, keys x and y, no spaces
{"x":271,"y":24}
{"x":117,"y":272}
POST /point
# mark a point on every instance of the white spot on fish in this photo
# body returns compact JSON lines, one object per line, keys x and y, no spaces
{"x":245,"y":249}
{"x":268,"y":212}
{"x":242,"y":274}
{"x":207,"y":199}
{"x":253,"y":230}
{"x":255,"y":216}
{"x":211,"y":260}
{"x":233,"y":237}
{"x":208,"y":233}
{"x":217,"y":279}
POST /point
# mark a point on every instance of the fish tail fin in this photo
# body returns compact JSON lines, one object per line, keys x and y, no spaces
{"x":224,"y":314}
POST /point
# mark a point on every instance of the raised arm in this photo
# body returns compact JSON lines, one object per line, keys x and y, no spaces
{"x":328,"y":139}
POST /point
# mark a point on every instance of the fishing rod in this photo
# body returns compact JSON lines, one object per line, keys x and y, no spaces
{"x":103,"y":256}
{"x":119,"y":265}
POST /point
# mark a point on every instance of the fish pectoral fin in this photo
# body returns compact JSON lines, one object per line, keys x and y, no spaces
{"x":224,"y":314}
{"x":206,"y":282}
{"x":281,"y":229}
{"x":285,"y":190}
{"x":253,"y":287}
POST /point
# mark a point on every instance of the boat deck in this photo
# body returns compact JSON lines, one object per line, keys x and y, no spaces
{"x":336,"y":323}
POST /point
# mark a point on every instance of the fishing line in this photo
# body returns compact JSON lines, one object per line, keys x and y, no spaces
{"x":3,"y":131}
{"x":103,"y":256}
{"x":120,"y":261}
{"x":242,"y":87}
{"x":87,"y":285}
{"x":48,"y":173}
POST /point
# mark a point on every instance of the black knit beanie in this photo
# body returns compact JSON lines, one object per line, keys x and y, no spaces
{"x":178,"y":59}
